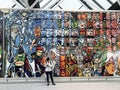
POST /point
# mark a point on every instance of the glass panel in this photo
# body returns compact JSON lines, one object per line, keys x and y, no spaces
{"x":83,"y":8}
{"x":70,"y":5}
{"x":57,"y":8}
{"x":104,"y":3}
{"x":114,"y":1}
{"x":93,"y":5}
{"x":46,"y":4}
{"x":6,"y":3}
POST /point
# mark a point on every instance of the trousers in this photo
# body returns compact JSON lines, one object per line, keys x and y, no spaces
{"x":49,"y":74}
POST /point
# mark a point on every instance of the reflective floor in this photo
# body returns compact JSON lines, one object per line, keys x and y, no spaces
{"x":61,"y":84}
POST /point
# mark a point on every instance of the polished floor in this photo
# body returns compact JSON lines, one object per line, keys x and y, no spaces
{"x":61,"y":84}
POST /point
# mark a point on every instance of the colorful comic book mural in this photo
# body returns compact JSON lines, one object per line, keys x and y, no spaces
{"x":83,"y":44}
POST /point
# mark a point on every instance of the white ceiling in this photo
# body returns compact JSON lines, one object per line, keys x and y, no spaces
{"x":59,"y":4}
{"x":9,"y":4}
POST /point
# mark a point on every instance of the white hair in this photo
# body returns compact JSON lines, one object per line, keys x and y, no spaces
{"x":55,"y":51}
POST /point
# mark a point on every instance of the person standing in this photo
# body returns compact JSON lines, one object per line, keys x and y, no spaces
{"x":48,"y":69}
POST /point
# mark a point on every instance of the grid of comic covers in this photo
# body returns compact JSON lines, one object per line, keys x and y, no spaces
{"x":83,"y":44}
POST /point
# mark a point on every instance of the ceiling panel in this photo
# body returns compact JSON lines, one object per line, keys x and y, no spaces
{"x":57,"y":8}
{"x":114,"y":1}
{"x":6,"y":3}
{"x":60,"y":4}
{"x":83,"y":8}
{"x":44,"y":2}
{"x":93,"y":5}
{"x":105,"y":5}
{"x":71,"y":4}
{"x":51,"y":4}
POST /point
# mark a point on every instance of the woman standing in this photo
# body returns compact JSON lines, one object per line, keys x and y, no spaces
{"x":51,"y":64}
{"x":49,"y":68}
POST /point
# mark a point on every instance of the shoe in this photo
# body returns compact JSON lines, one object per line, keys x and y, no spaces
{"x":48,"y":84}
{"x":53,"y":84}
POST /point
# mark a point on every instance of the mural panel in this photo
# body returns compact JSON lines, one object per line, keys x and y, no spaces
{"x":85,"y":44}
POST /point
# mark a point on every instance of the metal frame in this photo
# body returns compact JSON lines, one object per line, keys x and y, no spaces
{"x":35,"y":2}
{"x":25,"y":4}
{"x":22,"y":3}
{"x":46,"y":3}
{"x":57,"y":2}
{"x":59,"y":79}
{"x":85,"y":3}
{"x":98,"y":4}
{"x":110,"y":2}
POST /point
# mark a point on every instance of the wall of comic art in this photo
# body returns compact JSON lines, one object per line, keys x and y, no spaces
{"x":83,"y":44}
